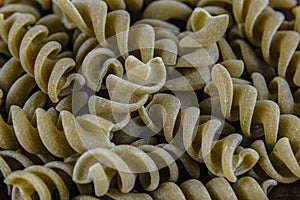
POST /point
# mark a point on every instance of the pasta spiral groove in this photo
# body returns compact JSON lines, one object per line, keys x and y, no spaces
{"x":197,"y":138}
{"x":128,"y":162}
{"x":38,"y":52}
{"x":43,"y":180}
{"x":216,"y":188}
{"x":238,"y":101}
{"x":261,"y":24}
{"x":67,"y":133}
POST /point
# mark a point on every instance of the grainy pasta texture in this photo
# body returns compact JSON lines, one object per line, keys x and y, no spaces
{"x":149,"y":99}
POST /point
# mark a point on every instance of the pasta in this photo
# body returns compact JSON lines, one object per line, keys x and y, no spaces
{"x":116,"y":194}
{"x":216,"y":188}
{"x":234,"y":107}
{"x":41,"y":179}
{"x":279,"y":91}
{"x":198,"y":140}
{"x":34,"y":56}
{"x":68,"y":134}
{"x":266,"y":22}
{"x":281,"y":162}
{"x":19,"y":161}
{"x":198,"y":99}
{"x":127,"y":161}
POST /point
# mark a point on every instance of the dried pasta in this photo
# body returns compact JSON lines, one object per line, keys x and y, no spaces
{"x":14,"y":160}
{"x":39,"y":59}
{"x":198,"y":139}
{"x":41,"y":179}
{"x":216,"y":188}
{"x":278,"y":47}
{"x":198,"y":99}
{"x":68,"y":134}
{"x":127,"y":162}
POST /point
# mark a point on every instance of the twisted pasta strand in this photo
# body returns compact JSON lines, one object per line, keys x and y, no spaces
{"x":282,"y":161}
{"x":279,"y":91}
{"x":14,"y":160}
{"x":38,"y":52}
{"x":216,"y":188}
{"x":43,"y":180}
{"x":239,"y":102}
{"x":198,"y":140}
{"x":261,"y":24}
{"x":128,"y":162}
{"x":68,"y":136}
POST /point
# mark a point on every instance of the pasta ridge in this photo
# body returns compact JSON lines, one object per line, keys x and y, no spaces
{"x":67,"y":133}
{"x":238,"y":102}
{"x":128,"y":162}
{"x":281,"y":162}
{"x":42,"y":179}
{"x":216,"y":188}
{"x":196,"y":136}
{"x":23,"y":160}
{"x":38,"y":52}
{"x":261,"y":25}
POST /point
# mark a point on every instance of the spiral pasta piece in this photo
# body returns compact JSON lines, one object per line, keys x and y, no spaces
{"x":116,"y":194}
{"x":38,"y":56}
{"x":198,"y":138}
{"x":279,"y":91}
{"x":67,"y":136}
{"x":43,"y":180}
{"x":239,"y":102}
{"x":261,"y":24}
{"x":127,"y":161}
{"x":131,"y":92}
{"x":80,"y":14}
{"x":216,"y":188}
{"x":282,"y":161}
{"x":15,"y":160}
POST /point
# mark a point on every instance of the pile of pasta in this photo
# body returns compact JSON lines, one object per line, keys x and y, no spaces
{"x":141,"y":99}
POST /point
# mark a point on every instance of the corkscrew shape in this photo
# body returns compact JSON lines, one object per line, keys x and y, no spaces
{"x":125,"y":94}
{"x":140,"y":43}
{"x":127,"y":162}
{"x":38,"y":52}
{"x":261,"y":25}
{"x":15,"y":160}
{"x":197,"y":137}
{"x":79,"y":14}
{"x":216,"y":188}
{"x":116,"y":194}
{"x":237,"y":101}
{"x":34,"y":7}
{"x":43,"y":180}
{"x":14,"y":83}
{"x":282,"y":161}
{"x":279,"y":91}
{"x":62,"y":135}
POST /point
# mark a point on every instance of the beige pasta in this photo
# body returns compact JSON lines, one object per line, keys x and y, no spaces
{"x":50,"y":74}
{"x":216,"y":188}
{"x":127,"y":162}
{"x":67,"y":134}
{"x":198,"y":99}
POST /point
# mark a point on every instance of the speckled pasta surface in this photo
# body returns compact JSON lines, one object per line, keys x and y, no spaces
{"x":149,"y":99}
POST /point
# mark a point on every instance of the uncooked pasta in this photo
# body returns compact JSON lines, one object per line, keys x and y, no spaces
{"x":149,"y":99}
